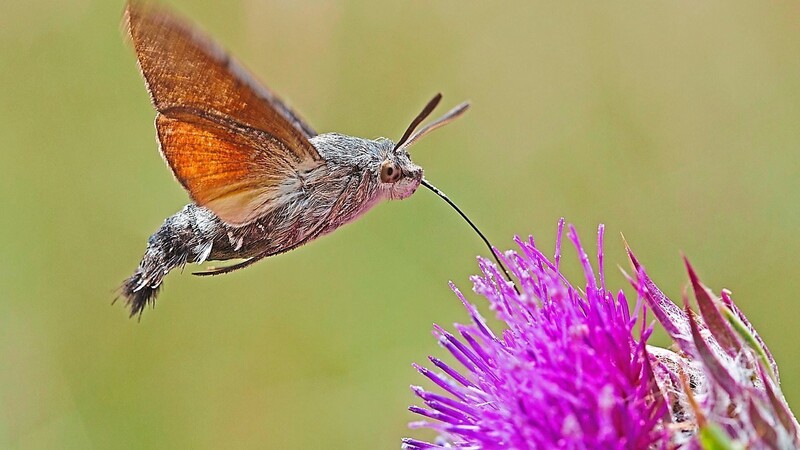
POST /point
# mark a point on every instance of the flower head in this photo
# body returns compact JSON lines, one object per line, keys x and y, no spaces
{"x":573,"y":369}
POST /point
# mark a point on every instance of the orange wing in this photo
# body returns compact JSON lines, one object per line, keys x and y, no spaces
{"x":237,"y":173}
{"x":229,"y":141}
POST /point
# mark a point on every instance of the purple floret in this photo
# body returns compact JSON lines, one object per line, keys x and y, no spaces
{"x":571,"y":370}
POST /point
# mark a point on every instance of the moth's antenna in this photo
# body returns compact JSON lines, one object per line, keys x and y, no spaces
{"x":426,"y":111}
{"x":449,"y":116}
{"x":444,"y":197}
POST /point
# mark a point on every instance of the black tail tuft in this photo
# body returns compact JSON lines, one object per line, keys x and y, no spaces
{"x":138,"y":294}
{"x":178,"y":240}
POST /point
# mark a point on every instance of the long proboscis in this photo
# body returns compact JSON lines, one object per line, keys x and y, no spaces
{"x":444,"y":197}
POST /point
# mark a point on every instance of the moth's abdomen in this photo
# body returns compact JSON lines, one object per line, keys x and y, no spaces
{"x":187,"y":236}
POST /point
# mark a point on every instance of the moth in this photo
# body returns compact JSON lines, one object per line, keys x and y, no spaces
{"x":262,"y":181}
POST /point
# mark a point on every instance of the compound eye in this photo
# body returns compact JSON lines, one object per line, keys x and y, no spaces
{"x":390,"y":173}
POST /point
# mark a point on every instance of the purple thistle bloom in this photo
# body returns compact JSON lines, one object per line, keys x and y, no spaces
{"x":573,"y":369}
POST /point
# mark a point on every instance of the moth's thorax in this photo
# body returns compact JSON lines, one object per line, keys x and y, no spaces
{"x":367,"y":157}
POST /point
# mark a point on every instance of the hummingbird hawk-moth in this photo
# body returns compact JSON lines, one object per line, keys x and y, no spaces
{"x":262,"y":181}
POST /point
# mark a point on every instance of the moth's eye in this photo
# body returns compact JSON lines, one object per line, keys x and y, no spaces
{"x":389,"y":172}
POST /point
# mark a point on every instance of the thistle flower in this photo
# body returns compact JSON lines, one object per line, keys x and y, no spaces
{"x":573,"y":369}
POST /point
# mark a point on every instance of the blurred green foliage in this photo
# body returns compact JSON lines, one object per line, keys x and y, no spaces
{"x":675,"y":122}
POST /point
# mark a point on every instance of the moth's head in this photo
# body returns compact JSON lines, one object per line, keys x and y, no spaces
{"x":398,"y":175}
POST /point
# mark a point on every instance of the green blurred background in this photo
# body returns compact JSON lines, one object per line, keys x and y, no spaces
{"x":674,"y":122}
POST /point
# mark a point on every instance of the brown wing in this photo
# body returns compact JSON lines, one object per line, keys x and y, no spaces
{"x":237,"y":172}
{"x":184,"y":68}
{"x":229,"y":141}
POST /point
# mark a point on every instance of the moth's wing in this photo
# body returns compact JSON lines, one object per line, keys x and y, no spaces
{"x":185,"y":69}
{"x":236,"y":171}
{"x":229,"y":141}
